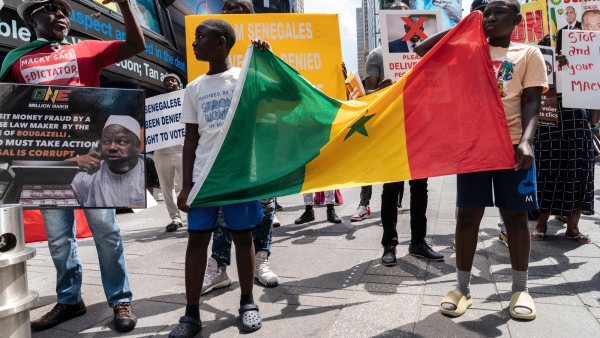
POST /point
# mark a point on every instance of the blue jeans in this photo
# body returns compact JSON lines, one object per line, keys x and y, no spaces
{"x":261,"y":235}
{"x":60,"y":230}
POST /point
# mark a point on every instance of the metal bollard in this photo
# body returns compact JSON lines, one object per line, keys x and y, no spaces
{"x":15,"y":298}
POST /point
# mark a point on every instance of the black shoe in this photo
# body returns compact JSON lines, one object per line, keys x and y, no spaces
{"x":424,"y":251}
{"x":332,"y":217}
{"x":58,"y":314}
{"x":125,"y":319}
{"x":278,"y":207}
{"x":307,"y":216}
{"x":389,"y":255}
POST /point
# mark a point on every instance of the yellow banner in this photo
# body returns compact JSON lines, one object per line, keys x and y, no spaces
{"x":534,"y":25}
{"x":310,"y":43}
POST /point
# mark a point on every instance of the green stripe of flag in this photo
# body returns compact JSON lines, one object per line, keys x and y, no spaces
{"x":287,"y":120}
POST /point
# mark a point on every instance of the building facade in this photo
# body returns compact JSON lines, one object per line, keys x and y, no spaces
{"x":93,"y":21}
{"x":298,"y":6}
{"x":360,"y":42}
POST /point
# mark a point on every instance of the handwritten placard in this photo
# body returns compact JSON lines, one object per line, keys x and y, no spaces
{"x":581,"y":80}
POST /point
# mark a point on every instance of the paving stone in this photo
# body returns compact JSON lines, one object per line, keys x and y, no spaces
{"x":490,"y":304}
{"x":473,"y":323}
{"x":52,"y":333}
{"x":295,"y":321}
{"x":296,"y":260}
{"x":349,"y":265}
{"x":554,"y":320}
{"x":406,"y":265}
{"x":362,"y":316}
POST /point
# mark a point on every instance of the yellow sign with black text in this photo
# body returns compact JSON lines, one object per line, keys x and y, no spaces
{"x":310,"y":43}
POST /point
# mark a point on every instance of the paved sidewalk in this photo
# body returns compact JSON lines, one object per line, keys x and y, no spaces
{"x":333,"y":283}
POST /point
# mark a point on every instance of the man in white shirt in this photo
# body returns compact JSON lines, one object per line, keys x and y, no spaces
{"x":120,"y":182}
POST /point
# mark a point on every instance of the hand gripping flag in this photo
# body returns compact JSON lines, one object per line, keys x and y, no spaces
{"x":284,"y":136}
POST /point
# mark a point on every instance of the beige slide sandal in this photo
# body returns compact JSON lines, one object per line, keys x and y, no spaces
{"x":522,"y":299}
{"x":461,"y":302}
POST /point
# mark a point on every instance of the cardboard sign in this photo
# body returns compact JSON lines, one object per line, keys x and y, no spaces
{"x":71,"y":147}
{"x":534,"y":25}
{"x":354,"y":86}
{"x":400,"y":31}
{"x":549,"y":107}
{"x":309,"y":43}
{"x":581,"y":78}
{"x":163,"y":128}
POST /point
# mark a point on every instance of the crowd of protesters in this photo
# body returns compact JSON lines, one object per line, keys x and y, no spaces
{"x":560,"y":159}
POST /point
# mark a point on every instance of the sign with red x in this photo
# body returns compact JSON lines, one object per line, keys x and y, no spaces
{"x":415,"y":28}
{"x":397,"y":29}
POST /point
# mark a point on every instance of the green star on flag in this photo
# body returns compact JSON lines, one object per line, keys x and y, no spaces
{"x":359,"y":126}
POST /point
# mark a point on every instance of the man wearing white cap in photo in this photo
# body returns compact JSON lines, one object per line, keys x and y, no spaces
{"x":120,"y":182}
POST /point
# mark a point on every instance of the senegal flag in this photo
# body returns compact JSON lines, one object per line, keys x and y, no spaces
{"x":284,"y":136}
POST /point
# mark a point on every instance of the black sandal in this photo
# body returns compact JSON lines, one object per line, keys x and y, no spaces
{"x":251,"y":320}
{"x":187,"y":328}
{"x":173,"y":226}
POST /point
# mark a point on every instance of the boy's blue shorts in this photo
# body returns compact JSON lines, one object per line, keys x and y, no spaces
{"x":239,"y":217}
{"x":512,"y":190}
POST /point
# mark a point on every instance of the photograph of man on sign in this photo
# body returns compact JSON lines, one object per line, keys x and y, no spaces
{"x":120,"y":180}
{"x":407,"y":44}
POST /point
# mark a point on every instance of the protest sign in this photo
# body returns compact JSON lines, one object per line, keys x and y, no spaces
{"x":451,"y":10}
{"x":354,"y":86}
{"x":534,"y":25}
{"x":309,"y":43}
{"x":71,"y":147}
{"x":400,"y":31}
{"x":563,"y":15}
{"x":581,"y":79}
{"x":163,"y":128}
{"x":549,"y":107}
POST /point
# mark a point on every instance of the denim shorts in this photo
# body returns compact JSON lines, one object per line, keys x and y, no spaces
{"x":512,"y":190}
{"x":239,"y":217}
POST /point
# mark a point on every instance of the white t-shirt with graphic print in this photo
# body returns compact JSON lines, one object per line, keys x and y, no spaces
{"x":206,"y":103}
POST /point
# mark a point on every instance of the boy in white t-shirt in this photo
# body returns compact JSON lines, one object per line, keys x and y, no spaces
{"x":205,"y":107}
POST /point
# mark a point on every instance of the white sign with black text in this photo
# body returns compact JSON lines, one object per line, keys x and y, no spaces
{"x":163,"y":128}
{"x":581,"y":78}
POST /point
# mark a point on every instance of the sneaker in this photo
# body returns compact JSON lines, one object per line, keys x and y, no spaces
{"x":503,"y":238}
{"x":307,"y":216}
{"x":262,"y":270}
{"x":276,"y":222}
{"x":125,"y":319}
{"x":214,"y":277}
{"x":160,"y":197}
{"x":362,"y":213}
{"x":278,"y":207}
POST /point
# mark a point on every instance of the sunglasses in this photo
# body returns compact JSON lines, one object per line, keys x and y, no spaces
{"x":53,"y":9}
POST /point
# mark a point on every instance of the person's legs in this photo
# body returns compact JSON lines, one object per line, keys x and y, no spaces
{"x":365,"y":195}
{"x":216,"y":272}
{"x":542,"y":224}
{"x":474,"y":193}
{"x":221,"y":247}
{"x":363,"y":211}
{"x":309,"y":213}
{"x":166,"y":164}
{"x":261,"y":236}
{"x":111,"y":255}
{"x":330,"y":201}
{"x":389,"y":213}
{"x":573,"y":223}
{"x":244,"y":257}
{"x":418,"y":210}
{"x":195,"y":266}
{"x":401,"y":195}
{"x":60,"y":231}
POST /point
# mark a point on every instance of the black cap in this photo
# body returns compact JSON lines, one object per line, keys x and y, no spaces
{"x":477,"y":4}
